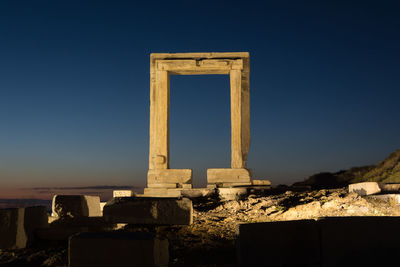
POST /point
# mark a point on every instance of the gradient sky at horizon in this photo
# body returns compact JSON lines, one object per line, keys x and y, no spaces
{"x":74,"y":87}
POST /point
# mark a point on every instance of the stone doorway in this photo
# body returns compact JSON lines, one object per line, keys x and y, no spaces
{"x":237,"y":66}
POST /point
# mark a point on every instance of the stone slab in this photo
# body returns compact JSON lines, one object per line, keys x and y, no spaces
{"x":359,"y":241}
{"x":12,"y":231}
{"x":364,"y":189}
{"x":226,"y":194}
{"x":198,"y":192}
{"x":162,"y":192}
{"x":122,"y":193}
{"x":230,"y":185}
{"x":390,"y":198}
{"x":150,"y":211}
{"x":228,"y":176}
{"x":388,"y":188}
{"x":288,"y":243}
{"x":120,"y":249}
{"x":261,"y":182}
{"x":169,"y":176}
{"x":76,"y":206}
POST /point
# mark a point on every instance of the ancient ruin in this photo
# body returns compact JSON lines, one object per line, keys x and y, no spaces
{"x":237,"y":66}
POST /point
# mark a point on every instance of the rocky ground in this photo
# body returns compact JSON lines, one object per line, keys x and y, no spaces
{"x":210,"y":240}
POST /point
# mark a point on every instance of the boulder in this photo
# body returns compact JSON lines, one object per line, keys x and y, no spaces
{"x":147,"y":210}
{"x":120,"y":249}
{"x":76,"y":206}
{"x":364,"y":189}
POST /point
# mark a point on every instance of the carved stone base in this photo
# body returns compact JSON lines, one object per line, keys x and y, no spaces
{"x":228,"y":177}
{"x":169,"y":178}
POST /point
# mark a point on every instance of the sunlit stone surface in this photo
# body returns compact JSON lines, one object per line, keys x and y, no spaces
{"x":364,"y":189}
{"x":122,"y":193}
{"x":153,"y":211}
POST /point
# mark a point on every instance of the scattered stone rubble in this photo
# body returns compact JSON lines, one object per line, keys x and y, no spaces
{"x":211,"y":239}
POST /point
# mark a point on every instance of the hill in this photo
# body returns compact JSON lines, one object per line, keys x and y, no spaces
{"x":386,"y":171}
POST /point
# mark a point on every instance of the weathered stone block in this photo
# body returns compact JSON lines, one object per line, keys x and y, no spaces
{"x":162,"y":192}
{"x":390,"y":188}
{"x":359,"y":241}
{"x":35,"y":218}
{"x":288,"y":243}
{"x":76,"y":206}
{"x":242,"y":176}
{"x":225,"y":194}
{"x":120,"y":249}
{"x":198,"y":192}
{"x":169,"y":177}
{"x":155,"y":211}
{"x":393,"y":199}
{"x":364,"y":189}
{"x":12,"y":231}
{"x":122,"y":193}
{"x":261,"y":182}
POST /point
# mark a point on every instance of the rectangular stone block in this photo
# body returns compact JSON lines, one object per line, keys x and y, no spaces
{"x":390,"y":188}
{"x":147,"y":210}
{"x":169,"y":176}
{"x":35,"y":218}
{"x":364,"y":189}
{"x":12,"y":231}
{"x":393,"y":199}
{"x":122,"y":193}
{"x":228,"y":176}
{"x":162,"y":192}
{"x":162,"y":185}
{"x":288,"y":243}
{"x":122,"y":249}
{"x":359,"y":241}
{"x":226,"y":194}
{"x":198,"y":192}
{"x":261,"y":182}
{"x":76,"y":206}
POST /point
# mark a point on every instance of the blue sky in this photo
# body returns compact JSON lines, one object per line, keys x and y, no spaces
{"x":74,"y":87}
